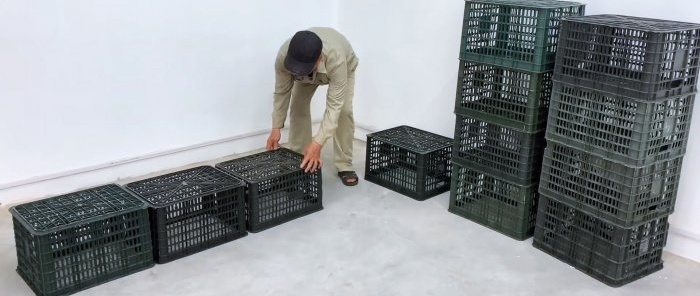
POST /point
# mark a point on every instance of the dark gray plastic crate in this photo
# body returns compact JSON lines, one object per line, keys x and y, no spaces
{"x":517,"y":34}
{"x":278,"y":189}
{"x":504,"y":152}
{"x":512,"y":98}
{"x":410,"y":161}
{"x":632,"y":132}
{"x":192,"y":210}
{"x":636,"y":57}
{"x":506,"y":207}
{"x":72,"y":242}
{"x":613,"y":255}
{"x":621,"y":195}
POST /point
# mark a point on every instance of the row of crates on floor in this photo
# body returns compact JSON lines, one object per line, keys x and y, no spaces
{"x":505,"y":83}
{"x":79,"y":240}
{"x":619,"y":121}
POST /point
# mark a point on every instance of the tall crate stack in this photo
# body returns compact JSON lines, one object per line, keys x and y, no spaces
{"x":505,"y":80}
{"x":619,"y":121}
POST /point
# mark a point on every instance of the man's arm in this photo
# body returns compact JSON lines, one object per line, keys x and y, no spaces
{"x":283,"y":93}
{"x":280,"y":105}
{"x":337,"y":91}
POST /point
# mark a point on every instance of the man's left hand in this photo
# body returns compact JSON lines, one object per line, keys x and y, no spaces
{"x":312,"y":158}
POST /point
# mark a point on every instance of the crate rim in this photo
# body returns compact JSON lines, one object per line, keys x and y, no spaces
{"x":150,"y":204}
{"x":374,"y":134}
{"x":542,"y":4}
{"x":632,"y":22}
{"x":219,"y":166}
{"x":20,"y":218}
{"x":556,"y":89}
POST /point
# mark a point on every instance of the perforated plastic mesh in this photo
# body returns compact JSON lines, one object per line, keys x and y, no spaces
{"x":517,"y":34}
{"x":68,"y":209}
{"x":413,"y":139}
{"x":622,"y":195}
{"x":261,"y":166}
{"x":609,"y":253}
{"x":630,"y":131}
{"x":518,"y":99}
{"x":633,"y":22}
{"x":174,"y":187}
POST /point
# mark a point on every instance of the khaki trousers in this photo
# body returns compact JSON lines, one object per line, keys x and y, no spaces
{"x":300,"y":123}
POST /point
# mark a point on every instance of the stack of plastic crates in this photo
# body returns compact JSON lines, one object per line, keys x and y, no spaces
{"x":505,"y":81}
{"x":618,"y":125}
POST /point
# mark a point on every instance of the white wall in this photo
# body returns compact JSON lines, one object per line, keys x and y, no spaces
{"x":409,"y":54}
{"x":84,"y":83}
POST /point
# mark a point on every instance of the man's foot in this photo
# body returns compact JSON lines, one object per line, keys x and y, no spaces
{"x":349,"y":178}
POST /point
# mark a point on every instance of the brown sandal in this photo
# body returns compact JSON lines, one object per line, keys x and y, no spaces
{"x":346,"y":176}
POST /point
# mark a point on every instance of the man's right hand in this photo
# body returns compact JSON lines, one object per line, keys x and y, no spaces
{"x":273,"y":141}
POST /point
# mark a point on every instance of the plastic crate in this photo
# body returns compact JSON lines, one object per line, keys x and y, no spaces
{"x":633,"y":132}
{"x":278,"y":190}
{"x":620,"y":195}
{"x":192,"y":210}
{"x":500,"y":151}
{"x":517,"y":34}
{"x":500,"y":205}
{"x":76,"y":241}
{"x":512,"y":98}
{"x":410,"y":161}
{"x":611,"y":254}
{"x":637,"y":57}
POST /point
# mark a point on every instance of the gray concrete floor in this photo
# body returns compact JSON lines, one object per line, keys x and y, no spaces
{"x":368,"y":241}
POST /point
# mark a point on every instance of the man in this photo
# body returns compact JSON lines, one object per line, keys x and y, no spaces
{"x":318,"y":56}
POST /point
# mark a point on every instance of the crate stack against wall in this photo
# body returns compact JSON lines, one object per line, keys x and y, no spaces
{"x":505,"y":80}
{"x":619,"y":120}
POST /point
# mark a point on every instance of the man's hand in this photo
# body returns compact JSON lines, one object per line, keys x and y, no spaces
{"x":273,"y":141}
{"x":312,"y":158}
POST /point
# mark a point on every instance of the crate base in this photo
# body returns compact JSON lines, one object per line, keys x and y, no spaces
{"x":207,"y":221}
{"x":582,"y":267}
{"x":258,"y":227}
{"x":89,"y":285}
{"x":385,"y":177}
{"x":495,"y":226}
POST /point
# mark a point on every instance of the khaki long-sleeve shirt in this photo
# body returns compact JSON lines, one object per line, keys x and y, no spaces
{"x":337,"y":63}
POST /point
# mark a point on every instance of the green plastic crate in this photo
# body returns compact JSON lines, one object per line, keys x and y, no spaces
{"x":517,"y":34}
{"x":503,"y":152}
{"x":622,"y":129}
{"x":506,"y":207}
{"x":621,"y":195}
{"x":192,"y":210}
{"x":611,"y":254}
{"x":277,"y":188}
{"x":512,"y":98}
{"x":76,"y":241}
{"x":410,"y":161}
{"x":642,"y":58}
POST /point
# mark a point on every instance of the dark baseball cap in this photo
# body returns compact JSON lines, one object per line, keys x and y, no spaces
{"x":304,"y":50}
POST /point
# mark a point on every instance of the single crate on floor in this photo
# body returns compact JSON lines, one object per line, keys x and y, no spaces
{"x":609,"y":253}
{"x":636,"y":57}
{"x":278,"y":190}
{"x":76,"y":241}
{"x":501,"y":151}
{"x":621,"y":195}
{"x":192,"y":210}
{"x":619,"y":128}
{"x":410,"y":161}
{"x":513,"y":98}
{"x":518,"y":34}
{"x":503,"y":206}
